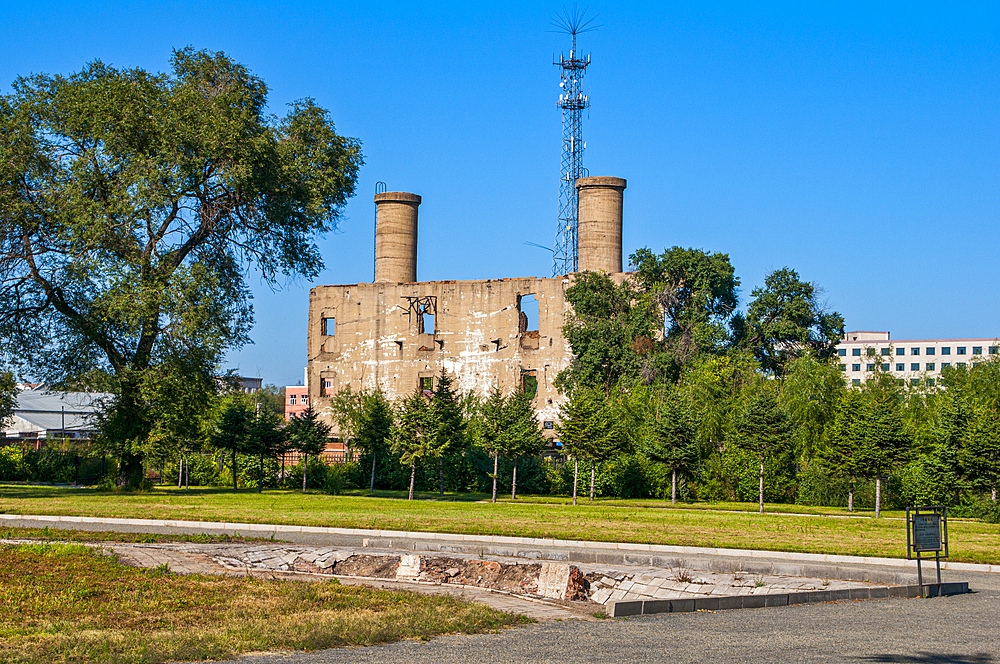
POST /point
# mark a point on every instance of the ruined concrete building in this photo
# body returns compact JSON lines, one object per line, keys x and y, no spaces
{"x":397,"y":333}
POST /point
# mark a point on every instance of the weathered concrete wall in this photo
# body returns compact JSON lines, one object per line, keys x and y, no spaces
{"x":478,"y":336}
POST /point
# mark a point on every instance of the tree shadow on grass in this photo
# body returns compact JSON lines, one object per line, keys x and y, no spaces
{"x":932,"y":658}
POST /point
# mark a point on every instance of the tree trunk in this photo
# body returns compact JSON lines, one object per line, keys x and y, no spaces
{"x":878,"y":495}
{"x":187,"y":473}
{"x":180,"y":474}
{"x":513,"y":483}
{"x":130,"y":471}
{"x":234,"y":469}
{"x":993,"y":496}
{"x":576,"y":474}
{"x":440,"y":476}
{"x":305,"y":469}
{"x":496,"y":458}
{"x":413,"y":478}
{"x":761,"y":482}
{"x":593,"y":478}
{"x":371,"y":487}
{"x":673,"y":487}
{"x":850,"y":496}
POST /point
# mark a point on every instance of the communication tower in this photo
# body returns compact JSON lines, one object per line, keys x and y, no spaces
{"x":572,"y":101}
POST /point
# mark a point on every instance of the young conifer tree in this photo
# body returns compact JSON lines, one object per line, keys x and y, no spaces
{"x":762,"y":427}
{"x":414,"y":434}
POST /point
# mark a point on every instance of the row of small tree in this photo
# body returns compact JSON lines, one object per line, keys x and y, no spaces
{"x":944,"y":439}
{"x":946,"y":436}
{"x":428,"y":426}
{"x":239,"y":425}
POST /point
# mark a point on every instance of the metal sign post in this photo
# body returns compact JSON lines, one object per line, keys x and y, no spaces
{"x":926,"y":532}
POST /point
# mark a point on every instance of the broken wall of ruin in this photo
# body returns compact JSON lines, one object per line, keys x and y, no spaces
{"x":395,"y":336}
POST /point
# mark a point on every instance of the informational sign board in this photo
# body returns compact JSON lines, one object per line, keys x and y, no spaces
{"x":926,"y":532}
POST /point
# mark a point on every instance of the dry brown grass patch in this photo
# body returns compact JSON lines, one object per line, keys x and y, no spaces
{"x":68,"y":603}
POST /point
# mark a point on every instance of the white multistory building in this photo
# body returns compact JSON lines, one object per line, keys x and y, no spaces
{"x":916,"y":361}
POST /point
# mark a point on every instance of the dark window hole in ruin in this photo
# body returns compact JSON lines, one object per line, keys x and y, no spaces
{"x":329,"y":326}
{"x":426,"y":323}
{"x":427,"y":384}
{"x":529,"y":383}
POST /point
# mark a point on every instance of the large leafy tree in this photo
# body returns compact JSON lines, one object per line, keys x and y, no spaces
{"x":697,"y":293}
{"x":785,"y":318}
{"x":612,"y":335}
{"x":813,"y":388}
{"x":132,"y":205}
{"x":981,"y":449}
{"x":489,"y":426}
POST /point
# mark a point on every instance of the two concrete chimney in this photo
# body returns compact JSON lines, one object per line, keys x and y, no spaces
{"x":599,"y":239}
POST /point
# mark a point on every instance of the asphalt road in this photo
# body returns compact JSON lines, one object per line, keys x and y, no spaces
{"x":964,"y":629}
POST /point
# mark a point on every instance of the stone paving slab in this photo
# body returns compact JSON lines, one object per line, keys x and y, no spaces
{"x":604,"y":584}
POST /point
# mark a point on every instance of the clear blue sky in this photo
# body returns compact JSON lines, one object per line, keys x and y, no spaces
{"x":854,"y":142}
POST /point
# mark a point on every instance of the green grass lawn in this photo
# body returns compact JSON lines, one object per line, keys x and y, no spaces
{"x":822,"y":530}
{"x":68,"y":603}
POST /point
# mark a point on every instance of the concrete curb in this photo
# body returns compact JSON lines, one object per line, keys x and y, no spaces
{"x":523,"y":547}
{"x":621,"y":609}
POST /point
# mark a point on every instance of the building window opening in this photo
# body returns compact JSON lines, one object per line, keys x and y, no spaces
{"x":426,"y":323}
{"x":529,"y":383}
{"x":329,"y":326}
{"x":427,"y":384}
{"x":527,"y":307}
{"x":305,"y":400}
{"x":291,"y":400}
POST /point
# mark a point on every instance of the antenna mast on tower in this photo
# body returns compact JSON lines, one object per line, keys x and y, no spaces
{"x":572,"y":101}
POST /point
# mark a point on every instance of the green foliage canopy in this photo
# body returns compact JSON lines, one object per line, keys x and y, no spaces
{"x":132,"y":205}
{"x":786,"y":318}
